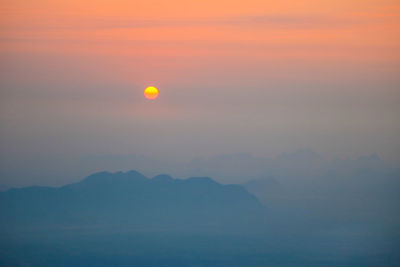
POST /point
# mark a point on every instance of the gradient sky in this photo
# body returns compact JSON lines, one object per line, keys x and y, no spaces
{"x":261,"y":77}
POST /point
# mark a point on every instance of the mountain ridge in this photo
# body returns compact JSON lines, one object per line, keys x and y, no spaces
{"x":130,"y":198}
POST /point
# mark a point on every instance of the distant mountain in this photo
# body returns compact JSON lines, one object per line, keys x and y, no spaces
{"x":264,"y":185}
{"x":130,"y":199}
{"x":4,"y":187}
{"x":299,"y":155}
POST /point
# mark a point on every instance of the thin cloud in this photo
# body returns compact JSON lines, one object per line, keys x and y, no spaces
{"x":274,"y":21}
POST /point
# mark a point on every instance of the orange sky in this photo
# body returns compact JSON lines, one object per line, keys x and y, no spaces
{"x":172,"y":32}
{"x":182,"y":42}
{"x":306,"y":67}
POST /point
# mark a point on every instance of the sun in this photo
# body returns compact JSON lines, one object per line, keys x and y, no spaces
{"x":151,"y":92}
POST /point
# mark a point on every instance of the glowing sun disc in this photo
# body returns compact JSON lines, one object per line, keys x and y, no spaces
{"x":151,"y":92}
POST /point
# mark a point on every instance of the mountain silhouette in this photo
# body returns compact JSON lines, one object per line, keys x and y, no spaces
{"x":130,"y":199}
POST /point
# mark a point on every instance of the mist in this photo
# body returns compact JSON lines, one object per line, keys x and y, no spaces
{"x":274,"y":139}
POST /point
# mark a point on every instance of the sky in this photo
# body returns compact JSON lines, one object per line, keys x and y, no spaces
{"x":257,"y":77}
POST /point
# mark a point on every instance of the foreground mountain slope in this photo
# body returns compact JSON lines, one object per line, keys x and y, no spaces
{"x":130,"y":199}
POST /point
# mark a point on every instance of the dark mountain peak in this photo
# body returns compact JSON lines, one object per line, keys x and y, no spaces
{"x":130,"y":198}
